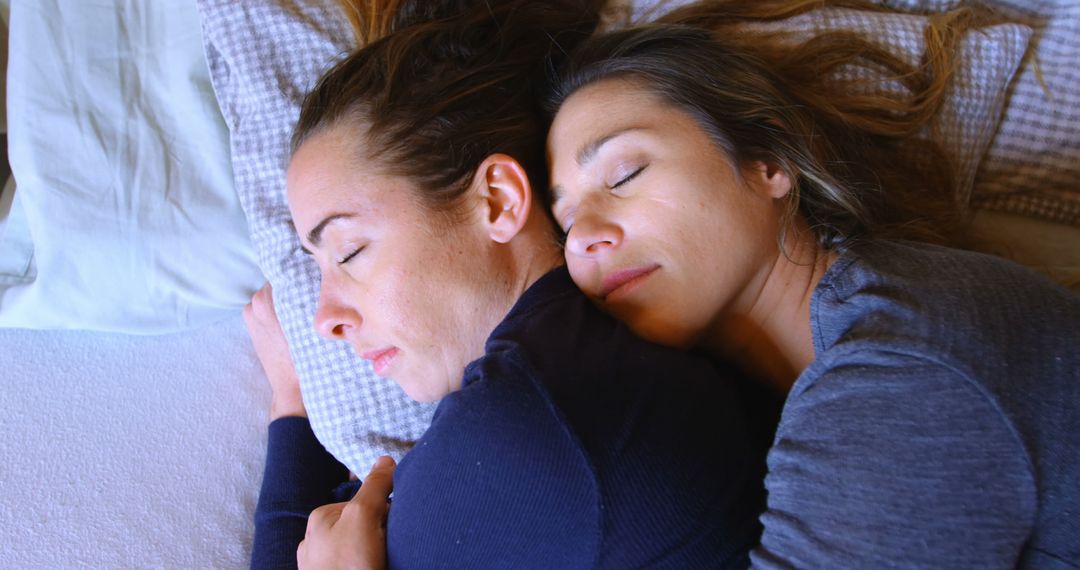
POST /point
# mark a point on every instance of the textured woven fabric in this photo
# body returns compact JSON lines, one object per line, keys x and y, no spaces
{"x":264,"y":55}
{"x":1033,"y":164}
{"x":968,"y":119}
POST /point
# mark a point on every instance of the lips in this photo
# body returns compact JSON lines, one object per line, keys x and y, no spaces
{"x":623,"y":281}
{"x":381,"y":359}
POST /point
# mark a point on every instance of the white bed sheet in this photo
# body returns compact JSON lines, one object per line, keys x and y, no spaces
{"x":128,"y":451}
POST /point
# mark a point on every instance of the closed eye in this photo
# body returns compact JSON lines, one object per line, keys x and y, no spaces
{"x":562,"y":215}
{"x":629,"y":177}
{"x":561,"y":235}
{"x":346,"y":259}
{"x":566,"y":223}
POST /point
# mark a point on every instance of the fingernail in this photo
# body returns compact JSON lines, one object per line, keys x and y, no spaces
{"x":383,"y":461}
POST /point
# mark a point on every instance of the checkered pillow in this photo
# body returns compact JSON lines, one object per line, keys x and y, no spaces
{"x":264,"y":55}
{"x":970,"y":115}
{"x":1030,"y":165}
{"x":1033,"y":164}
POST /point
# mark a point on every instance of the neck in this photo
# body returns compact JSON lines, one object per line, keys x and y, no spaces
{"x":514,"y":267}
{"x":770,"y":336}
{"x":530,"y":255}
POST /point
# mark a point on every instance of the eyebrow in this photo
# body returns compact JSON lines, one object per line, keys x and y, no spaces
{"x":587,"y":153}
{"x":588,"y":150}
{"x":315,"y":235}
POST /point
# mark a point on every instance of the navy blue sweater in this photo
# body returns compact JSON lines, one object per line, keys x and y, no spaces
{"x":574,"y":444}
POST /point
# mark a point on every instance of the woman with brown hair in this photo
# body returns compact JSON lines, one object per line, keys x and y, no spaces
{"x":722,"y":190}
{"x":561,"y":440}
{"x":728,"y":193}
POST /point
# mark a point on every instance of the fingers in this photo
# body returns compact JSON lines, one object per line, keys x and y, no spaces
{"x":249,"y":316}
{"x":324,"y":518}
{"x":262,"y":303}
{"x":255,"y":308}
{"x":264,"y":297}
{"x":371,"y":499}
{"x":266,"y":292}
{"x":379,"y":481}
{"x":352,"y":534}
{"x":317,"y":547}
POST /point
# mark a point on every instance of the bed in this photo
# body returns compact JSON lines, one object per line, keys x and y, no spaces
{"x":147,"y":143}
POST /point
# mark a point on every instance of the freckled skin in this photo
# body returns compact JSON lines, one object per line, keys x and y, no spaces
{"x":431,"y":290}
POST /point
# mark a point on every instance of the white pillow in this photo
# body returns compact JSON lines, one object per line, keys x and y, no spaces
{"x":124,"y":187}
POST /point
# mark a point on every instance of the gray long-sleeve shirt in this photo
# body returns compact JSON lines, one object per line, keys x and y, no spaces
{"x":939,"y":426}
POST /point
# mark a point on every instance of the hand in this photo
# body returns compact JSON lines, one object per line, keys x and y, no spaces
{"x":273,"y":352}
{"x":351,"y":535}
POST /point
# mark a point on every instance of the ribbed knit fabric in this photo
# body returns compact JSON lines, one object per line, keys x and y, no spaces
{"x":299,"y":477}
{"x":573,"y":444}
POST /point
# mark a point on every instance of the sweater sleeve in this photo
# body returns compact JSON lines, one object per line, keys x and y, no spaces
{"x":300,"y":475}
{"x":890,"y":461}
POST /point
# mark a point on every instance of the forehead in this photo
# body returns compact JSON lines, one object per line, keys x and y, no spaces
{"x":607,"y":99}
{"x":322,"y":160}
{"x":327,"y":176}
{"x":606,"y":108}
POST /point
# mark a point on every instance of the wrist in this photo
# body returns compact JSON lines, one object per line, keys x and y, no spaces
{"x":288,"y":406}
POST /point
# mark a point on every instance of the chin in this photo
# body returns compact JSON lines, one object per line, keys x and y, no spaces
{"x":424,"y":390}
{"x":659,"y":329}
{"x":423,"y":394}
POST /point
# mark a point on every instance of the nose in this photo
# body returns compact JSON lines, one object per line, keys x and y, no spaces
{"x":593,"y":235}
{"x":335,"y":316}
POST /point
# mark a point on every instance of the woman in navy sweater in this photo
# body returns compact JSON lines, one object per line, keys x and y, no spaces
{"x":418,"y":184}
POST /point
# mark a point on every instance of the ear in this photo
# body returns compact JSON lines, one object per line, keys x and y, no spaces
{"x":506,"y":196}
{"x":774,"y":181}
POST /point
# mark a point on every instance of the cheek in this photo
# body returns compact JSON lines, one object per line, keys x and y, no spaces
{"x":404,"y":301}
{"x":393,"y":289}
{"x":429,"y":301}
{"x":414,"y":321}
{"x":678,"y":230}
{"x":722,"y":222}
{"x":580,"y":271}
